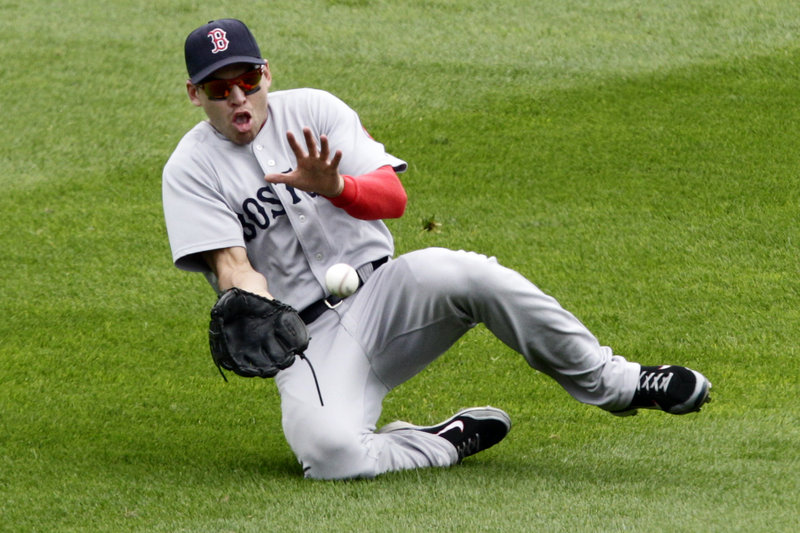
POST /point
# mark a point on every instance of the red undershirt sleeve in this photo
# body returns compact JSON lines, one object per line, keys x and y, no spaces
{"x":373,"y":196}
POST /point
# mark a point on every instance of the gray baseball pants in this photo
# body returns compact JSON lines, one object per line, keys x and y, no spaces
{"x":409,"y":312}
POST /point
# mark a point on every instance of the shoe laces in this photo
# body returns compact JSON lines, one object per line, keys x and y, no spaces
{"x":655,"y":382}
{"x":469,"y":446}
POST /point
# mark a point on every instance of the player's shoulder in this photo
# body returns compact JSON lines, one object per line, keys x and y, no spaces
{"x":195,"y":145}
{"x":202,"y":133}
{"x":302,"y":95}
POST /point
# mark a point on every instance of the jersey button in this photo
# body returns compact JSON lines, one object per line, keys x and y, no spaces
{"x":302,"y":218}
{"x":259,"y":147}
{"x":319,"y":257}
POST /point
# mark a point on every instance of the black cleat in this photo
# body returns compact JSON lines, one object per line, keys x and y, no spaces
{"x":470,"y":430}
{"x":673,"y":389}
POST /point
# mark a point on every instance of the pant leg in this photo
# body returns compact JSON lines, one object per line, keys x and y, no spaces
{"x":410,"y":312}
{"x":337,"y":440}
{"x":423,"y":301}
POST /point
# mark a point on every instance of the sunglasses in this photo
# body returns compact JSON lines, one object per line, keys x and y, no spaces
{"x":220,"y":89}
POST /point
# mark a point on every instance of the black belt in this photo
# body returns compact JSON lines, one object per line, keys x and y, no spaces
{"x":313,"y":311}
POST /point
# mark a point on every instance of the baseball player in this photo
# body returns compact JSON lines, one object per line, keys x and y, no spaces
{"x":274,"y":188}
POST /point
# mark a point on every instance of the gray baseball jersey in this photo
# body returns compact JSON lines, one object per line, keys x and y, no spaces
{"x":215,"y":196}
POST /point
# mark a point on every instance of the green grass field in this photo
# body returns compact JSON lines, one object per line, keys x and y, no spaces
{"x":636,"y":159}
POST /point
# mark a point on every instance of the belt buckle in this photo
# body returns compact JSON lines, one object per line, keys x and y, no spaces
{"x":335,"y":304}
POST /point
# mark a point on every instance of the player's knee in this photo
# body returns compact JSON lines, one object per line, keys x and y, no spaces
{"x":331,"y":453}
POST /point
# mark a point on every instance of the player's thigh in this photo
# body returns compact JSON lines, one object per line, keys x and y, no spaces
{"x":332,"y":396}
{"x":412,"y":310}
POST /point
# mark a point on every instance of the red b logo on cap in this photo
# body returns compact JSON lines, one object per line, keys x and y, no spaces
{"x":219,"y":40}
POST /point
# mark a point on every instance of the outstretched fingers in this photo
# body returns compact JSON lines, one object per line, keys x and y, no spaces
{"x":316,"y":171}
{"x":311,"y":145}
{"x":325,"y":153}
{"x":298,"y":151}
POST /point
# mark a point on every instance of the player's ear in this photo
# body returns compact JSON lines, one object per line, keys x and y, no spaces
{"x":267,"y":79}
{"x":192,"y":91}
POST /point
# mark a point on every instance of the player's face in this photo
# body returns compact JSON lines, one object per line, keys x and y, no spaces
{"x":236,"y":108}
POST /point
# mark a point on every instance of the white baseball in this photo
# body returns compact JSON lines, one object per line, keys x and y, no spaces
{"x":342,"y":280}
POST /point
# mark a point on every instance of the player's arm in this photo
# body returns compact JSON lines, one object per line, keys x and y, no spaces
{"x":250,"y":332}
{"x":233,"y":269}
{"x":375,"y":195}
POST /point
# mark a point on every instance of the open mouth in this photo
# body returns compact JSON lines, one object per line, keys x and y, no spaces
{"x":242,"y":121}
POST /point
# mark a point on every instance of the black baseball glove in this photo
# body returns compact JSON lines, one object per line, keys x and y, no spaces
{"x":254,"y":336}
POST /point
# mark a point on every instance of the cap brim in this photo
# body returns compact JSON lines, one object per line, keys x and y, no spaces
{"x":206,"y":72}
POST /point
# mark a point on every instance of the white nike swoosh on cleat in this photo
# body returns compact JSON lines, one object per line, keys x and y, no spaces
{"x":452,"y":425}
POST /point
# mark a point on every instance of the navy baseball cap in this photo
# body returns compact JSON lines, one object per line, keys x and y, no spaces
{"x":218,"y":44}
